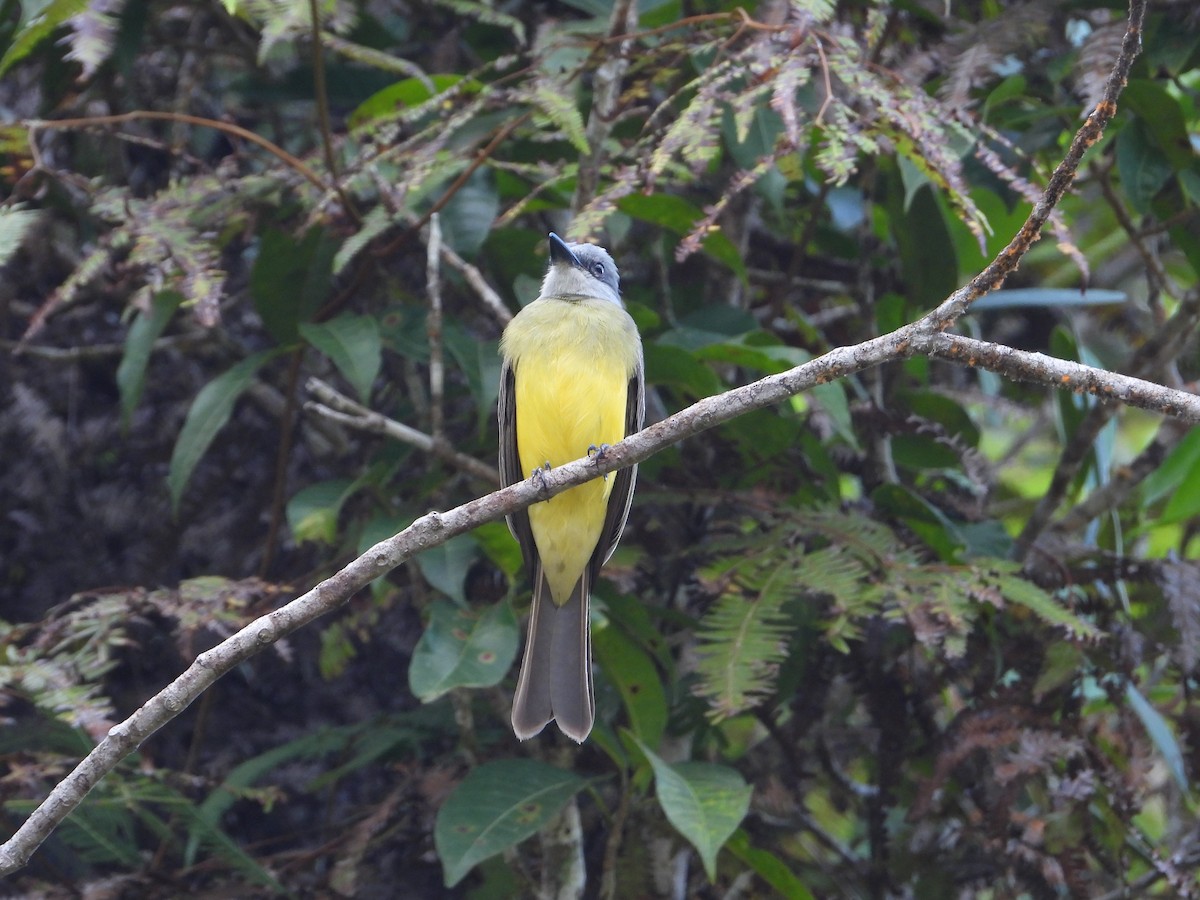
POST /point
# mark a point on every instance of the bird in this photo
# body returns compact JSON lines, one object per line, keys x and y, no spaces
{"x":572,"y":383}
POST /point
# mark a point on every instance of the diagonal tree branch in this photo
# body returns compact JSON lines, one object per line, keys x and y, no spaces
{"x":438,"y":527}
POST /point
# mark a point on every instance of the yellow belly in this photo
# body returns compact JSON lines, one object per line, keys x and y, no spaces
{"x":571,"y":387}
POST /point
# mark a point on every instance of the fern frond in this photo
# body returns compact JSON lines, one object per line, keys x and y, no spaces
{"x":1005,"y":576}
{"x":742,"y":643}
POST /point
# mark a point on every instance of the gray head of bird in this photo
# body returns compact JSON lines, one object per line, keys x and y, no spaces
{"x":581,"y":270}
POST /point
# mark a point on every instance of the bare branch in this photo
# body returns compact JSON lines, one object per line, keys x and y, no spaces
{"x":1006,"y":262}
{"x":340,"y":408}
{"x":433,"y":329}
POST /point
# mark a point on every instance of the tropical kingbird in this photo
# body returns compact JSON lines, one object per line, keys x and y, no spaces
{"x":572,"y":383}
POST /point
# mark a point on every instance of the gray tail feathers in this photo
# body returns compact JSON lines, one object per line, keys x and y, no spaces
{"x":556,"y":671}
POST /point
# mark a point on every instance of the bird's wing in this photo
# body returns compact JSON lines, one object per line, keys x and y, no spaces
{"x":621,"y":497}
{"x":510,"y":462}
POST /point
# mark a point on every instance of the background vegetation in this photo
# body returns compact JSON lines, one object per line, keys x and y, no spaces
{"x":919,"y":632}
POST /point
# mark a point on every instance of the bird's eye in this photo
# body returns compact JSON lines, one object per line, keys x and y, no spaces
{"x":598,"y":269}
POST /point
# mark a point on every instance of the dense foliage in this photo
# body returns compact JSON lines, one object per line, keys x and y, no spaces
{"x":919,"y":632}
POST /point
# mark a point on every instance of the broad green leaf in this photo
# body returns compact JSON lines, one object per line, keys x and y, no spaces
{"x":467,"y":219}
{"x":678,"y":216}
{"x":1182,"y":465}
{"x":375,"y":223}
{"x":1163,"y":116}
{"x":632,"y":671}
{"x":769,"y":867}
{"x":463,"y":648}
{"x":705,"y":802}
{"x":1048,"y":298}
{"x":208,"y":414}
{"x":404,"y":94}
{"x":291,"y":279}
{"x":1160,"y":733}
{"x":500,"y":547}
{"x":916,"y":451}
{"x":498,"y":805}
{"x":679,"y":369}
{"x":353,"y":343}
{"x":479,"y":362}
{"x":312,"y":513}
{"x":1142,"y":166}
{"x":139,"y":343}
{"x":929,"y":523}
{"x":1184,"y":503}
{"x":445,"y":566}
{"x":39,"y":28}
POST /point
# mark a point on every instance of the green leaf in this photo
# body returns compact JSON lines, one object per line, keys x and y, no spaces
{"x":445,"y":566}
{"x":674,"y":367}
{"x":467,"y":219}
{"x":1160,"y":733}
{"x":208,"y":414}
{"x":39,"y":28}
{"x":676,"y":215}
{"x":404,"y":94}
{"x":1143,"y":167}
{"x":632,"y":671}
{"x":139,"y":343}
{"x":312,"y":513}
{"x":1184,"y":500}
{"x":705,"y":802}
{"x":498,"y":805}
{"x":353,"y":344}
{"x":463,"y":648}
{"x":375,"y":223}
{"x":769,"y":867}
{"x":500,"y":547}
{"x":1182,"y":466}
{"x":929,"y":523}
{"x":290,"y":280}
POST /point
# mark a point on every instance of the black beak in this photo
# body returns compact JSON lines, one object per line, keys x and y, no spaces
{"x":560,"y":252}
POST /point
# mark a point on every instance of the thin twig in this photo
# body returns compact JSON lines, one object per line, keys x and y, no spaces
{"x":433,"y":330}
{"x":340,"y":408}
{"x":326,"y":129}
{"x":227,"y":127}
{"x":287,"y":432}
{"x":1005,"y":263}
{"x":606,"y":94}
{"x":472,"y":275}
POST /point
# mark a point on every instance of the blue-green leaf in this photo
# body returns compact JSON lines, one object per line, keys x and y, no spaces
{"x":1160,"y":733}
{"x":463,"y":648}
{"x":498,"y":805}
{"x":704,"y":801}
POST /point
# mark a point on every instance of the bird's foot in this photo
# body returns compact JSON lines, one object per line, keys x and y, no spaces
{"x":598,"y":453}
{"x":538,"y":477}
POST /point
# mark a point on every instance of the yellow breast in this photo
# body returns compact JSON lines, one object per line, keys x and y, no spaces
{"x":572,"y":361}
